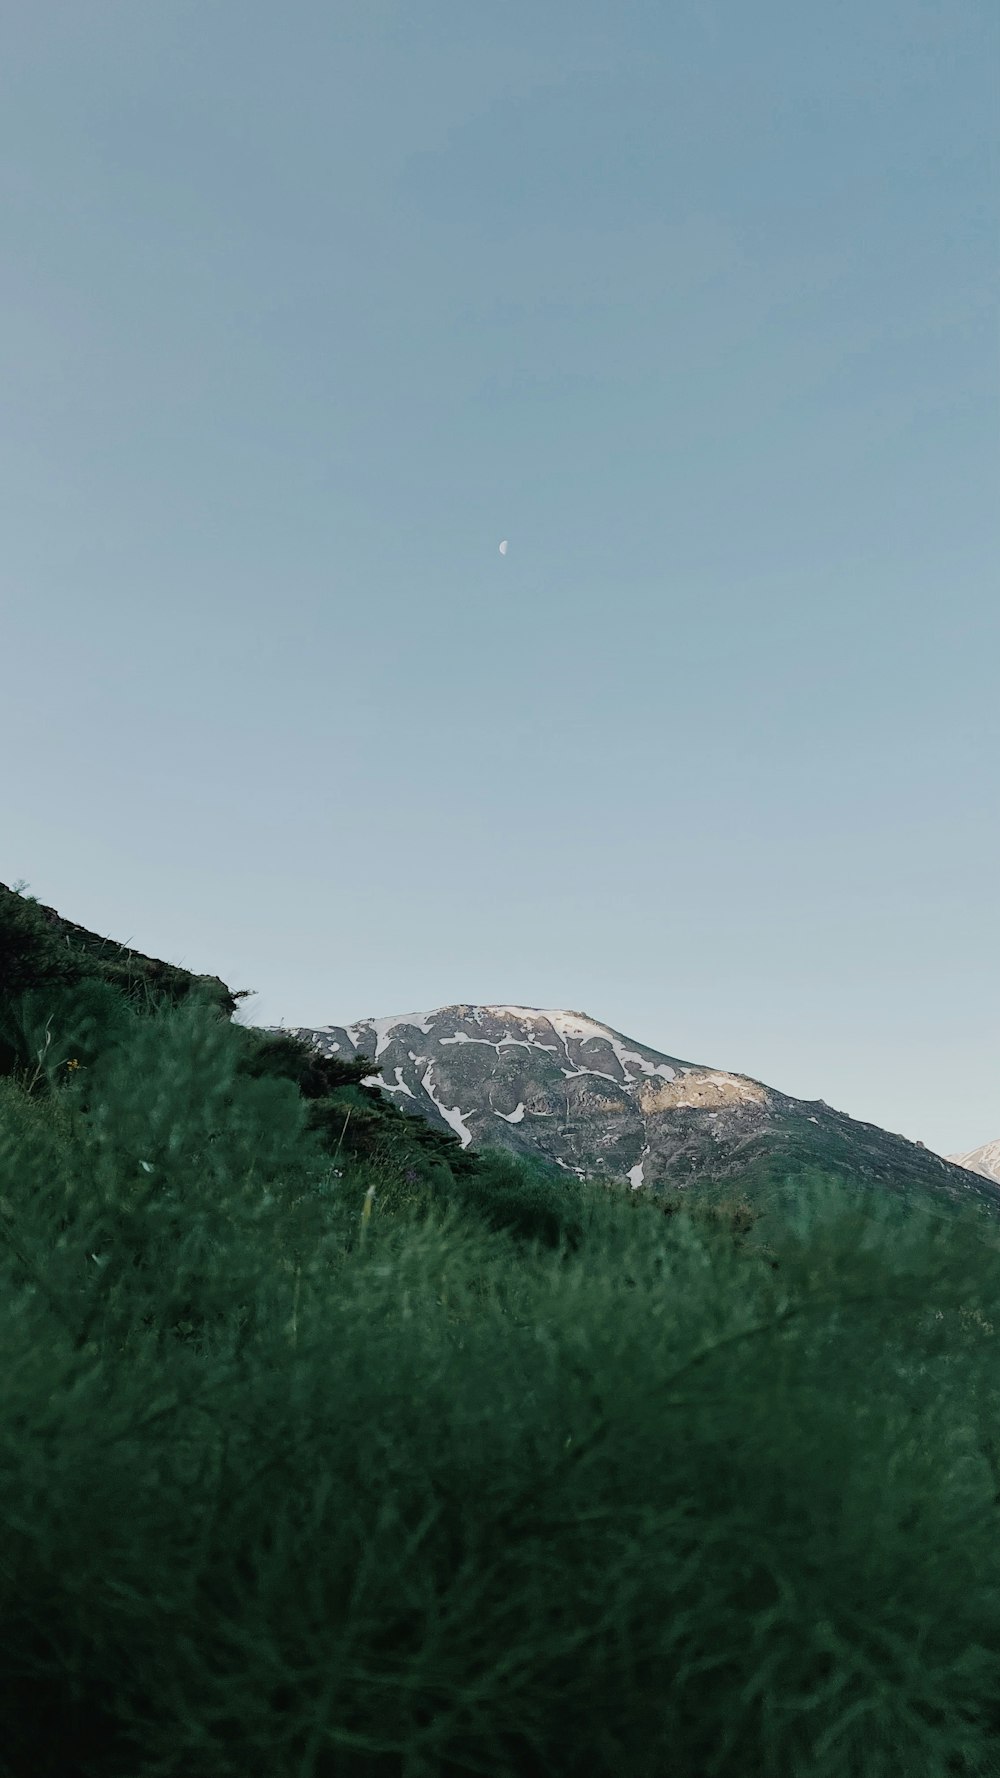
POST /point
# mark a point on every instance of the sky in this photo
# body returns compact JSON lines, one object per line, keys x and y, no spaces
{"x":304,"y":309}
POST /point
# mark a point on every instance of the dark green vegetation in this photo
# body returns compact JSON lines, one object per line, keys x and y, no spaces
{"x":328,"y":1451}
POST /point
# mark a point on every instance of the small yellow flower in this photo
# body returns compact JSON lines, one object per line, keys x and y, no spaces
{"x":73,"y":1063}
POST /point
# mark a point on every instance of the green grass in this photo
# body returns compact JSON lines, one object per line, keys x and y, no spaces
{"x":507,"y":1476}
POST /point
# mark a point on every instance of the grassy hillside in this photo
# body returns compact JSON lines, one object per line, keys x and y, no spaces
{"x":65,"y":993}
{"x":329,"y":1452}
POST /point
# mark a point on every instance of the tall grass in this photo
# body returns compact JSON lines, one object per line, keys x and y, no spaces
{"x":508,"y":1478}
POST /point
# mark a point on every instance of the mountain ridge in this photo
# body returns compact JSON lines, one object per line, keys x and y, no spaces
{"x":984,"y":1160}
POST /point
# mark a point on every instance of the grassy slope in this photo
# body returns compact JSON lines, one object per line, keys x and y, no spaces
{"x":319,"y":1461}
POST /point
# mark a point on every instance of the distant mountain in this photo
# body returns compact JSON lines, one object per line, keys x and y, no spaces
{"x":563,"y":1087}
{"x":985,"y":1160}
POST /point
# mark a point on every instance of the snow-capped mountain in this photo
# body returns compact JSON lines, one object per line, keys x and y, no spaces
{"x":985,"y":1160}
{"x":563,"y":1087}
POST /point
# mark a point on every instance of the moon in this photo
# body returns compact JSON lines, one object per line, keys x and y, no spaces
{"x":503,"y":547}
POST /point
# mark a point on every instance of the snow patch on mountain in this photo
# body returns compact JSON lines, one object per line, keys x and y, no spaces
{"x":382,"y":1029}
{"x":452,"y":1114}
{"x":572,"y":1073}
{"x":574,"y":1024}
{"x":511,"y":1117}
{"x":376,"y":1080}
{"x":505,"y":1042}
{"x":634,"y":1174}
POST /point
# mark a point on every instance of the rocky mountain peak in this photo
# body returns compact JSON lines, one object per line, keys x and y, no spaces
{"x":984,"y":1160}
{"x":561,"y":1086}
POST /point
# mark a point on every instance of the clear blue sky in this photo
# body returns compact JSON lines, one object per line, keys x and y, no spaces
{"x":305,"y":307}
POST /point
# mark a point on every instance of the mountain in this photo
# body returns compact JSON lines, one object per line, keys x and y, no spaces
{"x":562,"y":1087}
{"x":985,"y":1160}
